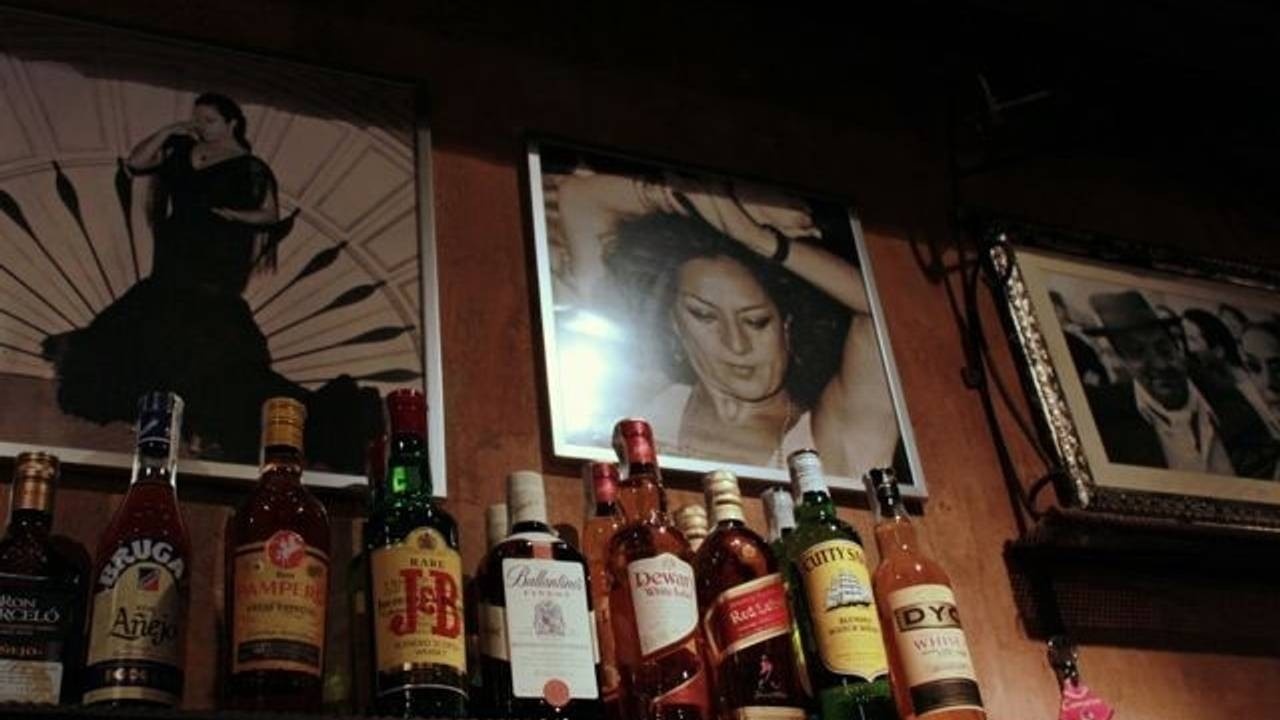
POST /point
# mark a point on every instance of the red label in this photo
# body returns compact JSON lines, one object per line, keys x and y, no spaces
{"x":286,"y":549}
{"x":748,"y":614}
{"x":1079,"y":703}
{"x":434,"y":595}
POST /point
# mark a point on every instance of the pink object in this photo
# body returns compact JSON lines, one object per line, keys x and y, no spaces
{"x":1079,"y":703}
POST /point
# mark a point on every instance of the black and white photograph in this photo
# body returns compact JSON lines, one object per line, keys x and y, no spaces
{"x":738,"y":318}
{"x":224,"y":226}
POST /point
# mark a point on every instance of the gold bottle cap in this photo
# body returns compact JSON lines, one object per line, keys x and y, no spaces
{"x":691,"y":520}
{"x":34,"y":476}
{"x":283,"y":422}
{"x":526,"y":498}
{"x":723,"y":496}
{"x":495,"y":524}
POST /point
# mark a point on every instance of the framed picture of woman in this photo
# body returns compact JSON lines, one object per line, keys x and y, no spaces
{"x":1157,"y":376}
{"x":739,"y":318}
{"x":225,"y":226}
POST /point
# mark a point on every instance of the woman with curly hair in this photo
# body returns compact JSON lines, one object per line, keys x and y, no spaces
{"x":764,"y":335}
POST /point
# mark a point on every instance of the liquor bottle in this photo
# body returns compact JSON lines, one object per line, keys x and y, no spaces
{"x":361,"y":642}
{"x":780,"y":521}
{"x":745,"y":616}
{"x":653,"y":597}
{"x":535,"y":585}
{"x":604,"y":519}
{"x":415,"y":580}
{"x":279,"y":545}
{"x":691,"y":521}
{"x":490,"y":636}
{"x":138,"y":615}
{"x":834,"y":605}
{"x":42,"y":593}
{"x":929,"y":658}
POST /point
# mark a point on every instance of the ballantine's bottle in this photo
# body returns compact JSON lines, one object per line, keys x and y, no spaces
{"x":653,"y":598}
{"x":139,"y":608}
{"x":42,"y":592}
{"x":279,"y":545}
{"x":929,"y":659}
{"x":415,"y":580}
{"x":834,"y":604}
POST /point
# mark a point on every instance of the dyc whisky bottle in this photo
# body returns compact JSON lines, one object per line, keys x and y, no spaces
{"x":929,"y":660}
{"x":138,"y":626}
{"x":745,"y":616}
{"x":535,"y":585}
{"x":41,"y":594}
{"x":604,"y":520}
{"x":834,"y":604}
{"x":653,"y":597}
{"x":279,"y":545}
{"x":415,"y":580}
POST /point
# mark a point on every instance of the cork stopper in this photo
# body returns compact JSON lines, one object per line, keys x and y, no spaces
{"x":779,"y":511}
{"x":633,"y":441}
{"x":407,"y":412}
{"x":526,"y":498}
{"x":34,"y":476}
{"x":723,"y":496}
{"x":691,"y":520}
{"x":495,"y":524}
{"x":283,"y":422}
{"x":805,"y":467}
{"x":602,"y":478}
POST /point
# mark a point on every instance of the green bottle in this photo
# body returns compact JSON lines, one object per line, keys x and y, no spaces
{"x":833,"y":603}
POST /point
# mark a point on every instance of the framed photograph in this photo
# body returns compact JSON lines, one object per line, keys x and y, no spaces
{"x":226,"y":226}
{"x":1156,"y":376}
{"x":739,"y":318}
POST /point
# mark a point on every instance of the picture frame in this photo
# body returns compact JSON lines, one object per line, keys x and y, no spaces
{"x":226,"y":225}
{"x":666,"y":292}
{"x":1149,"y":372}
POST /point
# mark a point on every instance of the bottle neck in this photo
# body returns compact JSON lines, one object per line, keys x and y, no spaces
{"x":29,"y":521}
{"x":641,"y":495}
{"x":408,"y":469}
{"x":606,"y":509}
{"x":154,"y":463}
{"x":894,"y":531}
{"x":531,"y":526}
{"x":286,"y":458}
{"x":815,"y":504}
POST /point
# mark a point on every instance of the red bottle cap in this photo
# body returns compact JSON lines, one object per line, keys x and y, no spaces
{"x":407,"y":411}
{"x":603,"y":477}
{"x":633,"y":441}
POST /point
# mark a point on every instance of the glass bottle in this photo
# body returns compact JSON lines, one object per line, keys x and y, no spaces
{"x":929,"y":657}
{"x":138,"y":613}
{"x":279,"y":545}
{"x":653,"y":597}
{"x":490,"y":637}
{"x":746,"y":619}
{"x":834,"y":605}
{"x":42,"y":594}
{"x":361,"y":653}
{"x":691,"y":520}
{"x":535,"y":586}
{"x":780,"y":521}
{"x":415,"y":580}
{"x":604,"y":519}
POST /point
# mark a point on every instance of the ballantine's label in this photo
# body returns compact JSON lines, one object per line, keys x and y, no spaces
{"x":136,"y":637}
{"x":837,"y":590}
{"x":935,"y":657}
{"x":665,"y":600}
{"x":417,"y":606}
{"x":35,"y":626}
{"x":746,"y":615}
{"x":549,"y":630}
{"x":281,"y":590}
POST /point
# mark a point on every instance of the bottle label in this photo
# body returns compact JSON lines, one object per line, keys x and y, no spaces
{"x":665,"y":600}
{"x":35,"y":626}
{"x":493,"y":631}
{"x":768,"y":712}
{"x":746,"y":615}
{"x":935,"y":657}
{"x":837,"y":590}
{"x":417,"y":606}
{"x":281,"y":591}
{"x":549,"y":630}
{"x":136,"y":636}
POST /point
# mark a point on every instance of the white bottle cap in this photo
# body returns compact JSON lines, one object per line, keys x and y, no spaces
{"x":806,"y":472}
{"x":526,"y":498}
{"x":495,"y":524}
{"x":779,"y":511}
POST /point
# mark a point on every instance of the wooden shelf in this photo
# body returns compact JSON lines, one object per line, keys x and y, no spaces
{"x":46,"y":712}
{"x":1142,"y":583}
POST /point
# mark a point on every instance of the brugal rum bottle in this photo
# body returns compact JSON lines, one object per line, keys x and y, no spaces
{"x":535,"y":586}
{"x":41,"y":594}
{"x":415,"y":580}
{"x":653,"y":597}
{"x":929,"y":660}
{"x":745,"y":615}
{"x":604,"y":520}
{"x":139,"y":606}
{"x":279,"y":582}
{"x":834,"y":605}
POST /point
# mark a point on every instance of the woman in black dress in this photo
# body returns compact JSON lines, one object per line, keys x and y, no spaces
{"x":186,"y":327}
